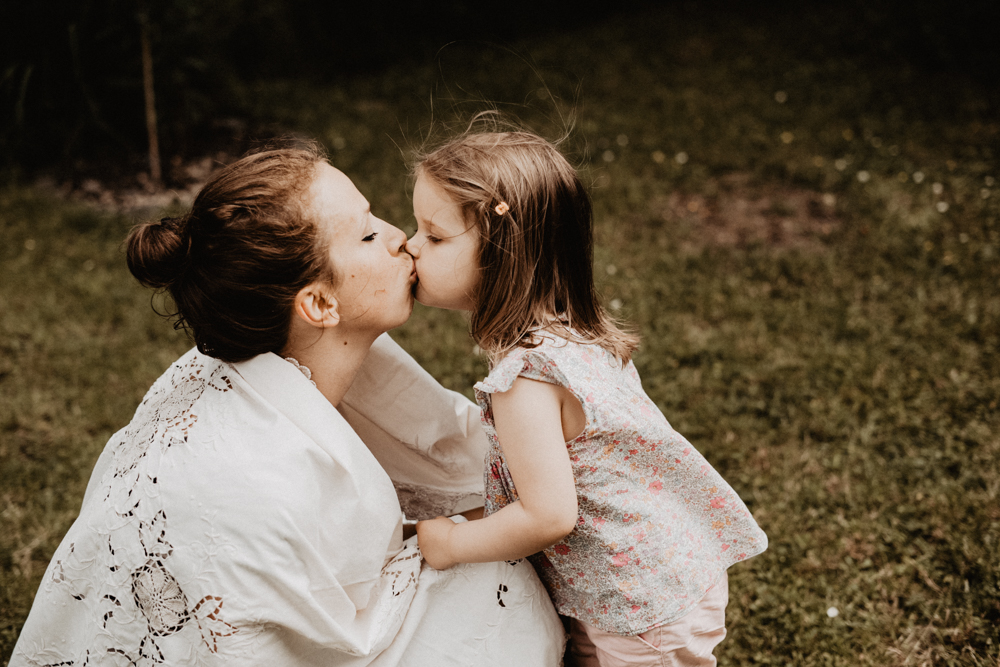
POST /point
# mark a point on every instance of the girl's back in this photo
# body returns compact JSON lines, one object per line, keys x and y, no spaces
{"x":657,"y":524}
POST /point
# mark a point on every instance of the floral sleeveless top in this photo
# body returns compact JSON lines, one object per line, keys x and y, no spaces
{"x":657,"y":524}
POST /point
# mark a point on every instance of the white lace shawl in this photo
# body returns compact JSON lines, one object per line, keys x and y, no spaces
{"x":239,"y":519}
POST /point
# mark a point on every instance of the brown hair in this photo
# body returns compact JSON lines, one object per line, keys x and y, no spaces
{"x":234,"y":264}
{"x":535,"y":253}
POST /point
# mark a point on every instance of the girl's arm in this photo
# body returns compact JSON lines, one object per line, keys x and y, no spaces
{"x":529,"y":424}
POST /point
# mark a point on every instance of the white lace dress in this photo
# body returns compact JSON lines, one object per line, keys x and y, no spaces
{"x":239,"y":519}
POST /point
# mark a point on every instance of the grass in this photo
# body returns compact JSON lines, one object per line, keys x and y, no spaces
{"x":820,"y":324}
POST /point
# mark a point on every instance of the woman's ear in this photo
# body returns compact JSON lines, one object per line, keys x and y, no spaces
{"x":317,"y":306}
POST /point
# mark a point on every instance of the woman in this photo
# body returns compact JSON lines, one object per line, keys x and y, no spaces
{"x":239,"y":519}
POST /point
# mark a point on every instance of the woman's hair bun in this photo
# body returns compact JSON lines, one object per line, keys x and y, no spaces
{"x":157,"y":252}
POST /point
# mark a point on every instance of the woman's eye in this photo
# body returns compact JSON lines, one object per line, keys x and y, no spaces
{"x":370,"y":237}
{"x":433,"y":239}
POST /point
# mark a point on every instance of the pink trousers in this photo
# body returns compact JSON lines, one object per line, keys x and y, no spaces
{"x":687,"y":642}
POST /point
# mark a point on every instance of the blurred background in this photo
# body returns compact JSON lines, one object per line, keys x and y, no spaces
{"x":796,"y":207}
{"x":71,"y":91}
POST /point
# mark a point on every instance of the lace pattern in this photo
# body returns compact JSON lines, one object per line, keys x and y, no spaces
{"x":421,"y":502}
{"x":137,"y":549}
{"x":302,"y":369}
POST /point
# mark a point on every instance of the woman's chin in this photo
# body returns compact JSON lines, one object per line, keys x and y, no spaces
{"x":402,"y":321}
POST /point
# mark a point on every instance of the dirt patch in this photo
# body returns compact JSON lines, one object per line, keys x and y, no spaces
{"x":740,"y":214}
{"x":137,"y":196}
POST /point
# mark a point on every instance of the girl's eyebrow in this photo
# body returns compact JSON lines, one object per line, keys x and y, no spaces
{"x":429,"y":224}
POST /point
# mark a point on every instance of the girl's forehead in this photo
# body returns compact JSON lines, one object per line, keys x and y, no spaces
{"x":433,"y":204}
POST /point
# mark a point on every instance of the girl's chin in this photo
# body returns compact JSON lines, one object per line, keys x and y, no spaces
{"x":436,"y":301}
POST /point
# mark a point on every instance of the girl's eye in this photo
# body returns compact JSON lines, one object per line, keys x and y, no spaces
{"x":370,"y":237}
{"x":433,"y":239}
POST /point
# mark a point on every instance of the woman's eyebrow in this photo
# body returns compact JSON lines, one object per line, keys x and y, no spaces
{"x":365,"y":214}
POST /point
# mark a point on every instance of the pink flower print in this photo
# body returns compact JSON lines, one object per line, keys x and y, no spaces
{"x":742,"y":556}
{"x":725,"y":547}
{"x":620,"y":560}
{"x":686,"y":451}
{"x":562,"y":549}
{"x":598,"y":521}
{"x":635,"y":608}
{"x":633,"y":452}
{"x":590,"y":398}
{"x":656,"y":487}
{"x":718,"y":502}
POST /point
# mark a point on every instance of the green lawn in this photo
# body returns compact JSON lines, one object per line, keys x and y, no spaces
{"x":807,"y":243}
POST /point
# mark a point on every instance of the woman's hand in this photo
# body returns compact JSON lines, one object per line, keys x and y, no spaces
{"x":432,"y":537}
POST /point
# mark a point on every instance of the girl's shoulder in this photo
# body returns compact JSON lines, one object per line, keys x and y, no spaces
{"x":541,"y":362}
{"x":553,"y":359}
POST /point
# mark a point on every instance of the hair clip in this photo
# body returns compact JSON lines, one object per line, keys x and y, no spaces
{"x":502,"y":208}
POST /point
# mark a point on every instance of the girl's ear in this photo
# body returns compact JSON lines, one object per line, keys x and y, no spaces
{"x":317,"y":306}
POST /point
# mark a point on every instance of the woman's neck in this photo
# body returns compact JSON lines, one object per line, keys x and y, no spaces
{"x":333,"y":357}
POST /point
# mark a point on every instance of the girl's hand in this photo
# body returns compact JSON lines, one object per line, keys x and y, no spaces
{"x":432,"y":537}
{"x":533,"y":434}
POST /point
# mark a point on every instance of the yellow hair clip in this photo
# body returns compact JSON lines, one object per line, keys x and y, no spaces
{"x":501,"y":208}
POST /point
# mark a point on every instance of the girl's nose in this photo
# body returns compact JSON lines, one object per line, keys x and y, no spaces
{"x":412,"y":247}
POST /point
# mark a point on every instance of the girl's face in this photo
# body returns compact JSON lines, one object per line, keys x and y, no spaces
{"x":444,"y":248}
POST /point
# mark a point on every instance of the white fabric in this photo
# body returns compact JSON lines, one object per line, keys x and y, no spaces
{"x":239,"y":519}
{"x":428,"y":439}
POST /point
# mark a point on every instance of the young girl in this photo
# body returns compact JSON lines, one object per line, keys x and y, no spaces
{"x":628,"y":526}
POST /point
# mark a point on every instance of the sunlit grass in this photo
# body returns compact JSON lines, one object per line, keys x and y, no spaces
{"x":835,"y":357}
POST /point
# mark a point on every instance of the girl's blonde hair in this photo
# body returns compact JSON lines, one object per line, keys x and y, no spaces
{"x":534,"y":219}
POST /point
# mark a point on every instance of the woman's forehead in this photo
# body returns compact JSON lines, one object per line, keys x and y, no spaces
{"x":333,"y":194}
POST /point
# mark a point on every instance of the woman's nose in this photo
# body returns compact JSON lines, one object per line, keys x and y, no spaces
{"x":395,"y":239}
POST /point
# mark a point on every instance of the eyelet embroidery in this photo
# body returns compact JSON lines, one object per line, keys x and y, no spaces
{"x":304,"y":369}
{"x":138,"y":549}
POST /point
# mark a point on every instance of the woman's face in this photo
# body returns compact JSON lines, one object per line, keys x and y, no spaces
{"x":374,"y":274}
{"x":445,"y":249}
